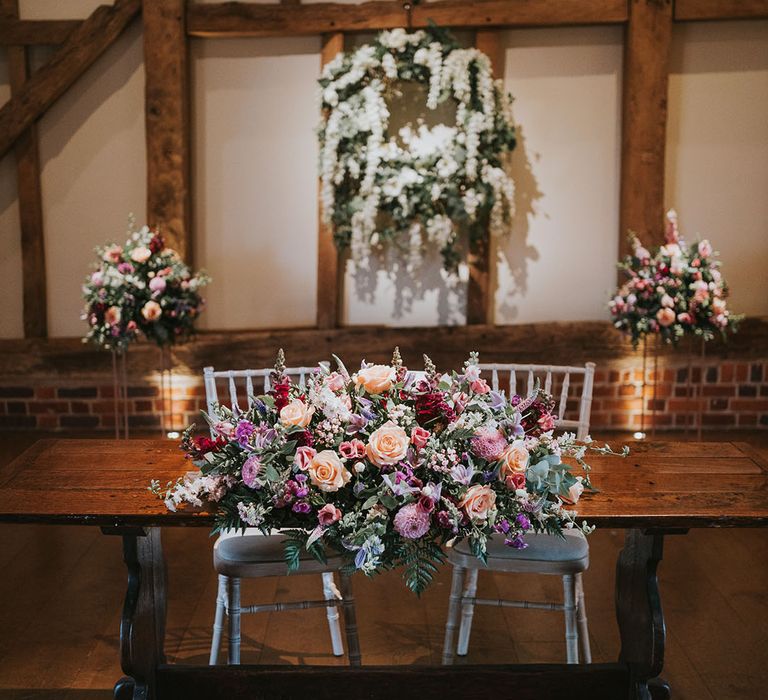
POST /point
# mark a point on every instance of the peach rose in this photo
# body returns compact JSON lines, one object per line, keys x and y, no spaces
{"x":296,"y":413}
{"x":327,"y":472}
{"x":514,"y":460}
{"x":387,"y":445}
{"x":113,"y":253}
{"x":151,"y":311}
{"x":375,"y":379}
{"x":113,"y":315}
{"x":478,"y":502}
{"x":141,"y":254}
{"x":665,"y":317}
{"x":480,"y":386}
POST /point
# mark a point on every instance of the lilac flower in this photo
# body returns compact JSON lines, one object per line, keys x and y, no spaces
{"x":523,"y":521}
{"x":263,"y":436}
{"x":356,"y":423}
{"x":412,"y":521}
{"x":462,"y":473}
{"x":243,"y":432}
{"x":250,"y":472}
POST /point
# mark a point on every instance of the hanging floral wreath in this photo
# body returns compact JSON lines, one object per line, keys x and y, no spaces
{"x":420,"y":184}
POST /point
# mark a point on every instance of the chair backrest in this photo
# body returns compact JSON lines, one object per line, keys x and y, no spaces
{"x":554,"y":379}
{"x":250,"y":381}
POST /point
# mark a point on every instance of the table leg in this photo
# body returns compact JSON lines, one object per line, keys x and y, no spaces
{"x":142,"y":625}
{"x":639,"y":613}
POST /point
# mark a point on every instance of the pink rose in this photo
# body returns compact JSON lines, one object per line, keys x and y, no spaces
{"x":419,"y":437}
{"x":546,"y":422}
{"x":113,"y":254}
{"x":480,"y":386}
{"x":335,"y":381}
{"x":352,"y":449}
{"x":574,"y":493}
{"x":97,"y":278}
{"x":665,"y":317}
{"x":303,"y":457}
{"x":328,"y":515}
{"x":223,"y":427}
{"x":515,"y":482}
{"x":684,"y":317}
{"x":667,"y":300}
{"x":251,"y":470}
{"x":705,"y":248}
{"x":157,"y":284}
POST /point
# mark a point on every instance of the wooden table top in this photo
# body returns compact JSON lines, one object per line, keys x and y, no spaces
{"x":660,"y":484}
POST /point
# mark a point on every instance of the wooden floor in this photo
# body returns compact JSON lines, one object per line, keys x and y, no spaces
{"x":62,"y":587}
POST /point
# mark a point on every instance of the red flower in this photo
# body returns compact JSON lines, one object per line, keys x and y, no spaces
{"x":157,"y":243}
{"x":432,"y":407}
{"x":202,"y":445}
{"x":303,"y":439}
{"x":280,"y":394}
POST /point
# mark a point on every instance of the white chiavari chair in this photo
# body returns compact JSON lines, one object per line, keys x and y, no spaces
{"x":252,"y":554}
{"x":546,"y":554}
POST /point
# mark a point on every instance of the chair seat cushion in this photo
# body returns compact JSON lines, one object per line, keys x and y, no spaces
{"x":252,"y":556}
{"x":545,"y":554}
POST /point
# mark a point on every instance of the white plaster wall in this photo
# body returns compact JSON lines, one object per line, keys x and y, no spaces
{"x":717,"y":149}
{"x":255,"y":179}
{"x":92,"y":152}
{"x":559,"y":261}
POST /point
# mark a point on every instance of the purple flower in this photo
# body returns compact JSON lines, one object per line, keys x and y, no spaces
{"x":251,"y":470}
{"x":523,"y":521}
{"x":412,"y":521}
{"x":301,"y":507}
{"x":125,"y":267}
{"x":244,"y":431}
{"x":502,"y":526}
{"x":516,"y":542}
{"x":497,"y":400}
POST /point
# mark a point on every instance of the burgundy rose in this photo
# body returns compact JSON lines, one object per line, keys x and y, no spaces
{"x":157,"y":243}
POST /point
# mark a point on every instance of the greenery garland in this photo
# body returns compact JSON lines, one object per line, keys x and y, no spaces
{"x":421,"y":184}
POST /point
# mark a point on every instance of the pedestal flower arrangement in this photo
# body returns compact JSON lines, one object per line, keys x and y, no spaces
{"x":418,"y":185}
{"x":140,"y":288}
{"x":672,"y":291}
{"x":386,"y":468}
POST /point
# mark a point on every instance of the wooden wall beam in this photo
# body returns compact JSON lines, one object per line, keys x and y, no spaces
{"x":34,"y":294}
{"x":480,"y":306}
{"x":82,"y":47}
{"x":166,"y":65}
{"x":330,"y":264}
{"x":644,"y":120}
{"x":19,"y":32}
{"x":571,"y":342}
{"x":231,"y":19}
{"x":686,"y":10}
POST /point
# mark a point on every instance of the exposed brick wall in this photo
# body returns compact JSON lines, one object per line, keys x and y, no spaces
{"x":734,"y":394}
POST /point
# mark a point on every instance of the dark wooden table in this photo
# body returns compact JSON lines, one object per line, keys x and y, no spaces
{"x":662,"y":488}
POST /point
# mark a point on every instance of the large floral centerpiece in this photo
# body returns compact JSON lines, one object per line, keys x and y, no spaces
{"x":386,"y":467}
{"x":672,"y":291}
{"x":420,"y":184}
{"x":141,"y":287}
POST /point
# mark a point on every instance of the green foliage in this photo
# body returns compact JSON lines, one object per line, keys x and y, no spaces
{"x":420,"y":559}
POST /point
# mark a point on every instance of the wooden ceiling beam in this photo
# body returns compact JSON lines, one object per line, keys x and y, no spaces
{"x":25,"y":32}
{"x":80,"y":50}
{"x":692,"y":10}
{"x":240,"y":19}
